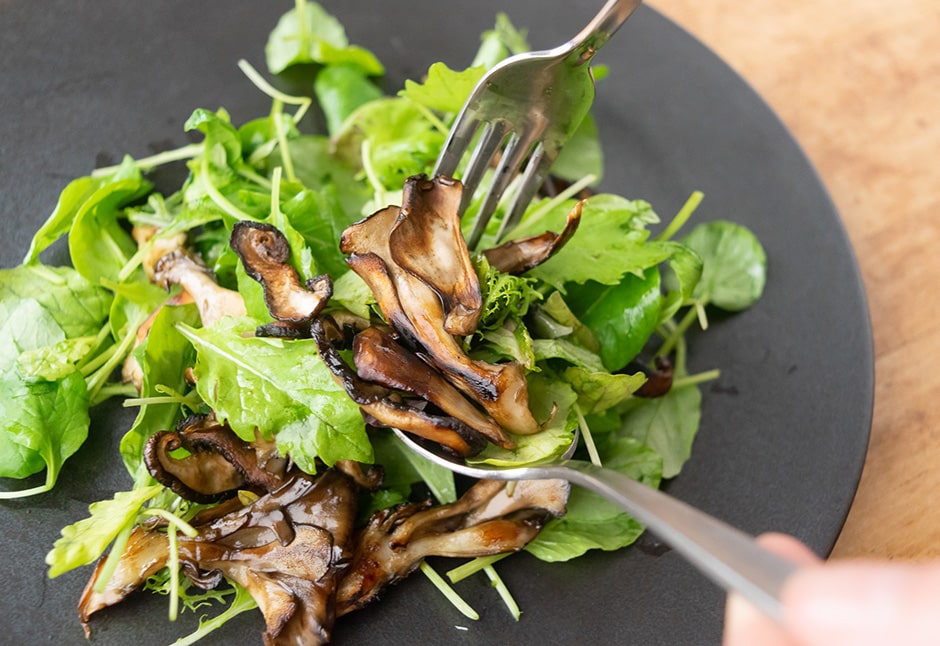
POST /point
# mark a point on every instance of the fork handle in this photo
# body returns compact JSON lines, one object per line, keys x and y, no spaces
{"x":728,"y":556}
{"x":604,"y":25}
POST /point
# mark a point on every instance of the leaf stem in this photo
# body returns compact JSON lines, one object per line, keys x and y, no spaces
{"x":465,"y":609}
{"x":503,"y":590}
{"x":111,"y":561}
{"x":543,"y":209}
{"x":682,"y":216}
{"x":303,"y":102}
{"x":588,"y":438}
{"x":146,"y":163}
{"x":461,"y":572}
{"x":670,"y":342}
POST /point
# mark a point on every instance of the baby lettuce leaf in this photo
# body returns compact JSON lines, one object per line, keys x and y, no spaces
{"x":667,"y":424}
{"x":79,"y":306}
{"x":582,"y":154}
{"x":43,"y":422}
{"x":552,"y":403}
{"x":84,"y":194}
{"x":340,"y":89}
{"x":56,"y":361}
{"x":593,"y":522}
{"x":735,"y":265}
{"x":599,"y":391}
{"x":163,"y":356}
{"x":308,"y":34}
{"x":502,"y":41}
{"x":279,"y":387}
{"x":400,"y":141}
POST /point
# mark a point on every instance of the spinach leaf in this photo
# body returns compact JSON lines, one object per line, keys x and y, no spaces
{"x":621,"y":316}
{"x":582,"y":154}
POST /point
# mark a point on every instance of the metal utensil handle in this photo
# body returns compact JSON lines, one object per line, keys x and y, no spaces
{"x":602,"y":27}
{"x":727,"y":555}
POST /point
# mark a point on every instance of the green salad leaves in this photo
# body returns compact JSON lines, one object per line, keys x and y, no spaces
{"x":591,"y":326}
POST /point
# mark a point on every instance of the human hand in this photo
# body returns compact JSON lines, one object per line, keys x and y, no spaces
{"x":850,"y":603}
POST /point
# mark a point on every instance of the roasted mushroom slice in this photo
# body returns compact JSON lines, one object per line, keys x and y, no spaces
{"x":382,"y":409}
{"x":212,"y":300}
{"x":218,"y":463}
{"x":155,"y":246}
{"x":518,"y":256}
{"x":265,"y":254}
{"x":286,"y":549}
{"x":380,"y":359}
{"x":426,"y":241}
{"x":415,"y":310}
{"x":486,"y":520}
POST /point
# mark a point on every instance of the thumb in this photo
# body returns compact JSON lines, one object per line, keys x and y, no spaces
{"x":864,"y":604}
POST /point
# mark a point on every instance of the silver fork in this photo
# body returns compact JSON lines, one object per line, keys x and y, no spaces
{"x":726,"y":555}
{"x":536,"y":100}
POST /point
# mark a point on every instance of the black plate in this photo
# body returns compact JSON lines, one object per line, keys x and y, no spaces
{"x":785,"y":428}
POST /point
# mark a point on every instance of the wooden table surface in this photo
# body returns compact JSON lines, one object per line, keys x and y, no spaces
{"x":858,"y":83}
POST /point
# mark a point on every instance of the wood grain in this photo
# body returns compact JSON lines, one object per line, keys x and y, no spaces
{"x":858,"y":83}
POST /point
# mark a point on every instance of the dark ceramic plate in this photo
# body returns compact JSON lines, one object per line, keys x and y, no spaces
{"x":784,"y":429}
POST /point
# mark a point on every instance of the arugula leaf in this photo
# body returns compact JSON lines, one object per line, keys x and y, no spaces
{"x":611,"y":242}
{"x":279,"y":387}
{"x":735,"y":264}
{"x":308,"y":34}
{"x":84,"y":541}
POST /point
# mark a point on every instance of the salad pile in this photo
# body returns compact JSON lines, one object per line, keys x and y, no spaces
{"x":243,"y":315}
